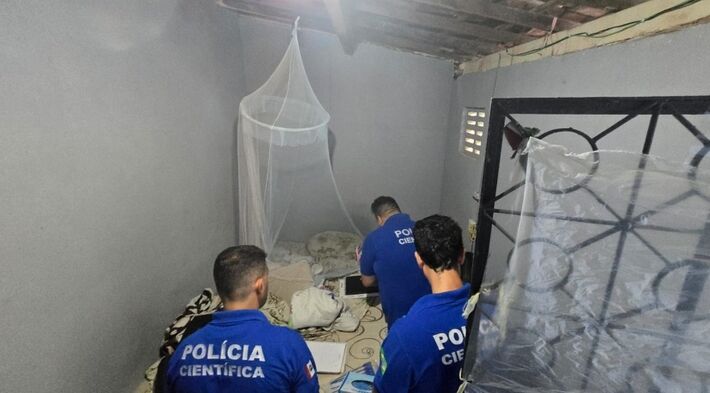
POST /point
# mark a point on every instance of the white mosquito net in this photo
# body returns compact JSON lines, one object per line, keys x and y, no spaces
{"x":288,"y":201}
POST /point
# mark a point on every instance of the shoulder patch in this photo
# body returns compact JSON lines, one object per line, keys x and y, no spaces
{"x":309,"y":370}
{"x":383,"y":362}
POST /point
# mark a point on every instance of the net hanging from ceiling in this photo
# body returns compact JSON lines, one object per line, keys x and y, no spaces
{"x":289,"y":203}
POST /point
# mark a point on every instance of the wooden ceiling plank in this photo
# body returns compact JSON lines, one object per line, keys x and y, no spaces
{"x":695,"y":13}
{"x":516,"y":16}
{"x":436,"y":22}
{"x":312,"y":19}
{"x":386,"y":26}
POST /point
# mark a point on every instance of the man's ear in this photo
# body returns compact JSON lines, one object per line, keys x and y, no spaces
{"x":461,"y":257}
{"x":420,"y":262}
{"x":260,"y":284}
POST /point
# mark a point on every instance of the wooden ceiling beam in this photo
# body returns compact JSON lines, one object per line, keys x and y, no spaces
{"x":436,"y":22}
{"x":405,"y":44}
{"x":339,"y":17}
{"x":489,"y":10}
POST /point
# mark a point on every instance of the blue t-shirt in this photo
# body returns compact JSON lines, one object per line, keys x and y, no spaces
{"x":423,"y":352}
{"x":388,"y":254}
{"x":240,"y":351}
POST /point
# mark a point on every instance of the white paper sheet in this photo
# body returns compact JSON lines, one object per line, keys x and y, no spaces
{"x":329,"y":356}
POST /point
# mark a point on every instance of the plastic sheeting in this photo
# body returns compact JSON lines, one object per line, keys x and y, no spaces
{"x":287,"y":190}
{"x":606,"y":287}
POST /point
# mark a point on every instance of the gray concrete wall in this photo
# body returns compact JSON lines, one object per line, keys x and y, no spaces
{"x":671,"y":64}
{"x":116,"y":129}
{"x":388,"y":114}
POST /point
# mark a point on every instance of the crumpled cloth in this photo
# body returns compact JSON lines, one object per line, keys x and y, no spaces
{"x":315,"y":307}
{"x":205,"y":303}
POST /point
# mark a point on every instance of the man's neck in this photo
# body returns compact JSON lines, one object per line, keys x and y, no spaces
{"x":388,"y":215}
{"x":247,"y":304}
{"x":444,"y":281}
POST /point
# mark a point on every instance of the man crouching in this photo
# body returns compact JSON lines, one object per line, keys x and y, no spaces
{"x":423,"y":351}
{"x":239,"y":350}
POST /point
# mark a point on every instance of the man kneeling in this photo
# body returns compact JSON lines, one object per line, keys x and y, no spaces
{"x":239,"y":350}
{"x":423,"y":351}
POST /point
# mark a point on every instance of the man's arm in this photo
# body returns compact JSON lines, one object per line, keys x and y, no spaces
{"x":366,"y":257}
{"x":395,"y":373}
{"x":368,"y":281}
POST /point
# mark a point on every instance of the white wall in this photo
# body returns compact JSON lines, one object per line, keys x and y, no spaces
{"x":116,"y":130}
{"x":117,"y":167}
{"x":116,"y":160}
{"x":388,"y":114}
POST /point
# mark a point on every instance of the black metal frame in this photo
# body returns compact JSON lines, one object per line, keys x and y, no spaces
{"x":626,"y":223}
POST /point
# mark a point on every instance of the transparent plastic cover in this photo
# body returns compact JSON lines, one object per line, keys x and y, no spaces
{"x":606,"y":287}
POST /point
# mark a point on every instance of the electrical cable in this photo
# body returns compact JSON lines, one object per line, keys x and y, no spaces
{"x":609,"y":31}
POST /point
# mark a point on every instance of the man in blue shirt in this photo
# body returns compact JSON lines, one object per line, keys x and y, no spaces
{"x":387,"y":259}
{"x":423,"y":351}
{"x":239,"y":350}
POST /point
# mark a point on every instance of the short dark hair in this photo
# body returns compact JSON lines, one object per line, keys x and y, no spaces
{"x":236,"y":268}
{"x":382,"y":205}
{"x":438,"y":242}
